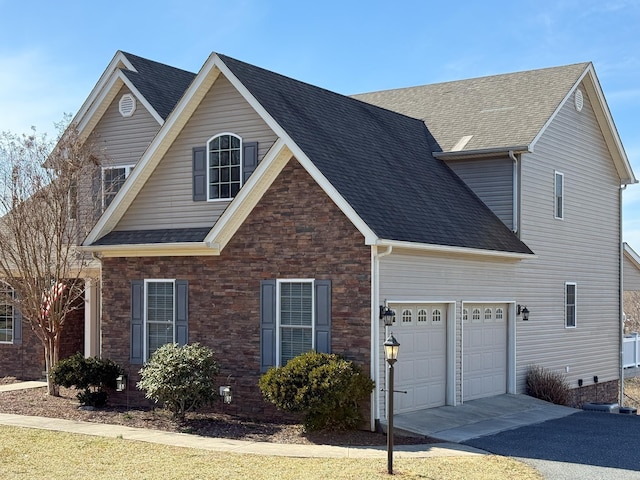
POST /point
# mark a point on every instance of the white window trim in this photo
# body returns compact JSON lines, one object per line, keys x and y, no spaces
{"x":555,"y":196}
{"x":127,"y":171}
{"x":209,"y":199}
{"x":13,"y":317}
{"x":145,"y":322}
{"x":279,"y":283}
{"x":575,"y":305}
{"x":127,"y":97}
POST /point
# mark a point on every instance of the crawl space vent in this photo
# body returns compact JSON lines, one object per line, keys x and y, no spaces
{"x":127,"y":105}
{"x":579,"y":101}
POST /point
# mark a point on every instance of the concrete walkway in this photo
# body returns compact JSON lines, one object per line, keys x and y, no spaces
{"x":224,"y":444}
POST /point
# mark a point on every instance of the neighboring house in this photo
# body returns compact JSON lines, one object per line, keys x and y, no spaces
{"x":267,"y":217}
{"x":122,"y":114}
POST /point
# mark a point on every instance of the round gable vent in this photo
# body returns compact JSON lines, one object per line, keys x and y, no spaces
{"x":127,"y":105}
{"x":578,"y":100}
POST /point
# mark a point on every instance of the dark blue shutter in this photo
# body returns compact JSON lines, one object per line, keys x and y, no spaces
{"x":182,"y":312}
{"x":323,"y":316}
{"x":199,"y":174}
{"x":249,"y":159}
{"x":267,"y":324}
{"x":137,"y":322}
{"x":17,"y":326}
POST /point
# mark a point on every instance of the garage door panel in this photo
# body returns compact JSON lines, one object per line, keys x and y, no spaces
{"x":421,"y":366}
{"x":484,"y":351}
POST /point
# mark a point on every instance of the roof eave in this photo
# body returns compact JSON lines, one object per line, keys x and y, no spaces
{"x":481,"y":152}
{"x":448,"y":249}
{"x":175,"y":249}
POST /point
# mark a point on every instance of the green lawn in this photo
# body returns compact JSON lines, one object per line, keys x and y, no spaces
{"x":29,"y":454}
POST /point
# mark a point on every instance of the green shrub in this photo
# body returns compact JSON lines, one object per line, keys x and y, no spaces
{"x":182,"y":378}
{"x":89,"y":375}
{"x":325,"y":387}
{"x":547,"y":385}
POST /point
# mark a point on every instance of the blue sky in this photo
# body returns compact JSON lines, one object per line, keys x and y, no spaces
{"x":52,"y":53}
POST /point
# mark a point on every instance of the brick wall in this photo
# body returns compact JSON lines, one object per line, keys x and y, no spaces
{"x":607,"y":392}
{"x":24,"y":361}
{"x":295,"y":231}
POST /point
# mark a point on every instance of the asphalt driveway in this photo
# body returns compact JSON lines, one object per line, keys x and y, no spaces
{"x":584,"y":445}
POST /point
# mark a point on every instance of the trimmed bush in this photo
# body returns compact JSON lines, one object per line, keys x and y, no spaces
{"x":182,"y":378}
{"x":547,"y":385}
{"x":89,"y":375}
{"x":326,"y":388}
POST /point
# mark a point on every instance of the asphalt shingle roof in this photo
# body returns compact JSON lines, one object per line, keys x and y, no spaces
{"x":161,"y":85}
{"x":165,"y":235}
{"x":500,"y":111}
{"x":380,"y":162}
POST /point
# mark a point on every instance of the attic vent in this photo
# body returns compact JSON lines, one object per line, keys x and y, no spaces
{"x":127,"y":105}
{"x":578,"y":100}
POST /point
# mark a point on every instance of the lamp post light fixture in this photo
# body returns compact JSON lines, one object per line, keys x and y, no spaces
{"x":387,"y":315}
{"x":391,"y":348}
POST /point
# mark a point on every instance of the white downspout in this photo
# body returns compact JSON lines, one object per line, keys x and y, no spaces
{"x":621,"y":301}
{"x":516,"y":194}
{"x":375,"y":330}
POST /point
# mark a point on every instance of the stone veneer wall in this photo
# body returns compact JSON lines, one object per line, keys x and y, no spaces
{"x":295,"y":232}
{"x":604,"y":392}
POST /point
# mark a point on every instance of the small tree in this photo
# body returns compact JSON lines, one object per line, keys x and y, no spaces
{"x":39,"y":231}
{"x":325,"y":387}
{"x":180,"y":377}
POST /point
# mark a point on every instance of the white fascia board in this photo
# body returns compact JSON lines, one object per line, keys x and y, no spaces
{"x":604,"y":119}
{"x":446,"y":249}
{"x":631,"y":255}
{"x":176,"y":249}
{"x":155,"y":151}
{"x":107,"y":95}
{"x":329,"y":189}
{"x":106,"y":77}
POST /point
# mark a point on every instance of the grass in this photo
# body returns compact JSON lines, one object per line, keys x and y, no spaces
{"x":28,"y":453}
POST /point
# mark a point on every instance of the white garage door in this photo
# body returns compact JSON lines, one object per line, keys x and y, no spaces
{"x":484,"y":360}
{"x":421,"y":366}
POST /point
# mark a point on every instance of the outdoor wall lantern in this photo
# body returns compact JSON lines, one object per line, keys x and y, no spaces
{"x":121,"y":383}
{"x":524,"y":311}
{"x":386,"y":314}
{"x":225,"y":393}
{"x":391,"y":348}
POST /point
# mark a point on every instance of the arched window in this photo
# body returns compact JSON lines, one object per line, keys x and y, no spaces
{"x":7,"y":323}
{"x":406,"y":316}
{"x":422,"y":315}
{"x":499,"y":313}
{"x":488,"y":314}
{"x":224,"y":175}
{"x":475,"y":315}
{"x":465,"y":314}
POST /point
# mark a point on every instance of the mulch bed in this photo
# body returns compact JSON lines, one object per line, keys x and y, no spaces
{"x":210,"y":424}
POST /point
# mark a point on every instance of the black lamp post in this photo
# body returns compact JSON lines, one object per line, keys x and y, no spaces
{"x":391,"y":347}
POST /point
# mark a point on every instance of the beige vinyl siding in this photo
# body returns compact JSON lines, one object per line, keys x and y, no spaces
{"x":492,"y":181}
{"x":166,"y":201}
{"x":120,"y":140}
{"x":116,"y":141}
{"x":407,"y":276}
{"x":583,"y":248}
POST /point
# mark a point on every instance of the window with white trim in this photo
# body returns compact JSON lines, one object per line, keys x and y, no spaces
{"x":559,"y":195}
{"x":224,"y":172}
{"x":112,"y":180}
{"x":570,"y":304}
{"x":159,"y":314}
{"x":295,"y":318}
{"x":422,"y":316}
{"x":407,"y":316}
{"x":6,"y":313}
{"x":436,"y":315}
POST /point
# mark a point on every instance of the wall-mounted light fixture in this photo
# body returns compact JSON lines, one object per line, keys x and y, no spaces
{"x":225,"y":393}
{"x":121,"y":383}
{"x":387,"y":315}
{"x":524,"y":311}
